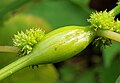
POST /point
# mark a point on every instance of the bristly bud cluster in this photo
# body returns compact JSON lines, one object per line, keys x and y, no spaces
{"x":105,"y":21}
{"x":25,"y":41}
{"x":117,"y":25}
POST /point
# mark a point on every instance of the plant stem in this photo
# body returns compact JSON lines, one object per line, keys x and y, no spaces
{"x":109,"y":34}
{"x":115,"y":11}
{"x":8,"y":49}
{"x":13,"y":67}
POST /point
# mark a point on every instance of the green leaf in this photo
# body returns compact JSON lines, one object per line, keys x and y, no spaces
{"x":59,"y":13}
{"x":9,"y":9}
{"x":4,"y":3}
{"x":109,"y":53}
{"x":110,"y":74}
{"x":83,"y":4}
{"x":71,"y":74}
{"x":87,"y":77}
{"x":118,"y":80}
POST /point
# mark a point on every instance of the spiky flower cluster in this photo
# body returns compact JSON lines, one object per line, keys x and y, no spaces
{"x":117,"y":26}
{"x":25,"y":41}
{"x":104,"y":20}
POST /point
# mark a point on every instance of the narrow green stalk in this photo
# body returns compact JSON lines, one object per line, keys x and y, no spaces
{"x":13,"y":67}
{"x":109,"y":34}
{"x":115,"y":11}
{"x":8,"y":49}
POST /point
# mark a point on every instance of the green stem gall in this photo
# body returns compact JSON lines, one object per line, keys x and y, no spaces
{"x":61,"y":44}
{"x":55,"y":46}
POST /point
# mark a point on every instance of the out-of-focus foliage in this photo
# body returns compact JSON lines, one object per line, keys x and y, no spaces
{"x":77,"y":73}
{"x":118,"y":80}
{"x":109,"y":53}
{"x":49,"y":15}
{"x":110,"y":74}
{"x":4,"y":3}
{"x":12,"y":8}
{"x":69,"y":74}
{"x":59,"y":12}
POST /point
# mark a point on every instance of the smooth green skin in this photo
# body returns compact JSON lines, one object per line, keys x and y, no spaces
{"x":56,"y":46}
{"x":61,"y":44}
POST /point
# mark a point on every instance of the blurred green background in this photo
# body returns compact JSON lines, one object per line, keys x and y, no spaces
{"x":93,"y":65}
